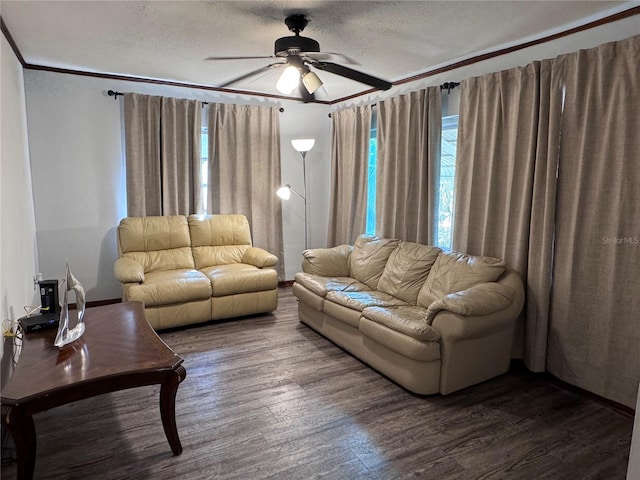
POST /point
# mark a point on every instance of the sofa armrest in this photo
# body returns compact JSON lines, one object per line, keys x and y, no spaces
{"x":480,"y":299}
{"x":259,"y":258}
{"x":479,"y":311}
{"x":128,"y":270}
{"x":327,"y":262}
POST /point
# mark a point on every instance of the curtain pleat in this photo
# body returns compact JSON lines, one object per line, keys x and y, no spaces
{"x":408,"y":153}
{"x":143,"y":158}
{"x":181,"y":156}
{"x":508,"y":140}
{"x":594,"y":339}
{"x":244,"y":170}
{"x":349,"y":165}
{"x":162,"y":138}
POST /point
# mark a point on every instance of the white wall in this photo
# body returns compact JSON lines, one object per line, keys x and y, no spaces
{"x":305,"y":121}
{"x":18,"y":261}
{"x":79,"y":176}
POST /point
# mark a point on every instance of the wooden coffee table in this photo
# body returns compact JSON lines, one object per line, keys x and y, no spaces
{"x":118,"y":350}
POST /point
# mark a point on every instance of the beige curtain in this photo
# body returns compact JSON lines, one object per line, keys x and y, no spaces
{"x":508,"y":134}
{"x":409,"y":131}
{"x":244,"y":170}
{"x":594,"y":339}
{"x":181,"y":128}
{"x":349,"y":165}
{"x":162,"y":137}
{"x":143,"y":159}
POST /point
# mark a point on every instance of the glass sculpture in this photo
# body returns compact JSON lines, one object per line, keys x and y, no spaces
{"x":66,"y":335}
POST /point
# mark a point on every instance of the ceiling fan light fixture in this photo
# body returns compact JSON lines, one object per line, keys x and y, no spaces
{"x":289,"y":80}
{"x":311,"y":82}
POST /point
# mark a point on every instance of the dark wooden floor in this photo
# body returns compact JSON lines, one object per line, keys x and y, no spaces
{"x":267,"y":398}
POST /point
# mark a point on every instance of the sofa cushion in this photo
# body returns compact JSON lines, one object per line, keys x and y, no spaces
{"x":360,"y":300}
{"x":327,"y":262}
{"x":237,"y":278}
{"x":218,"y":255}
{"x":168,"y":287}
{"x":156,"y":243}
{"x":407,"y":270}
{"x":398,"y":342}
{"x":322,"y":285}
{"x":407,"y":319}
{"x":212,"y":230}
{"x":368,"y":258}
{"x":145,"y":234}
{"x":454,"y":271}
{"x":172,"y":259}
{"x":219,"y":239}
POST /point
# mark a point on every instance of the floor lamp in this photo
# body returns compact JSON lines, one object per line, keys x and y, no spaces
{"x":302,"y":145}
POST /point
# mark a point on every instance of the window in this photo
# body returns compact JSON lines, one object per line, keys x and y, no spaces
{"x":204,"y":167}
{"x":446,"y":197}
{"x":371,"y":176}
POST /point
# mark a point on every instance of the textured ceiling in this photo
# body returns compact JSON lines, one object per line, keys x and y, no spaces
{"x":169,"y":40}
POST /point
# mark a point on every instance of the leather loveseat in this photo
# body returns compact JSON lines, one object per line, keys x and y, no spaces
{"x":192,"y":269}
{"x":430,"y":320}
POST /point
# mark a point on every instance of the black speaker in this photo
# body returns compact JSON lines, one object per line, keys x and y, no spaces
{"x":49,"y":296}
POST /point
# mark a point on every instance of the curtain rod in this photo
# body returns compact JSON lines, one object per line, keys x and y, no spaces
{"x":448,"y":86}
{"x":114,"y":94}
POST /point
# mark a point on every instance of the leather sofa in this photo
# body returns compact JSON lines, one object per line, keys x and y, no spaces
{"x":193,"y":269}
{"x":432,"y":321}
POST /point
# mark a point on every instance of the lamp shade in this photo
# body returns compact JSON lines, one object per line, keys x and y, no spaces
{"x":284,"y":192}
{"x":311,"y":82}
{"x":289,"y":80}
{"x":303,"y":144}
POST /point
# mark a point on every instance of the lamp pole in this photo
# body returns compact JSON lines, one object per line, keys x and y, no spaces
{"x":304,"y":198}
{"x":302,"y":145}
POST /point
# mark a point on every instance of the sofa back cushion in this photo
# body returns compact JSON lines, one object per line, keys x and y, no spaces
{"x":219,"y":239}
{"x":454,"y":272}
{"x":368,"y":258}
{"x":157,"y":243}
{"x":407,"y":270}
{"x":327,"y":262}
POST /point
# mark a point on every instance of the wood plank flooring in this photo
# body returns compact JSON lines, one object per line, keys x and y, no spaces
{"x":267,"y":398}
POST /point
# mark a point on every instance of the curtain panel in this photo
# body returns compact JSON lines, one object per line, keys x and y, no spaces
{"x":349,"y":165}
{"x":508,"y":141}
{"x":594,"y":338}
{"x":548,"y":179}
{"x":408,"y":166}
{"x":162,"y":140}
{"x":244,"y":170}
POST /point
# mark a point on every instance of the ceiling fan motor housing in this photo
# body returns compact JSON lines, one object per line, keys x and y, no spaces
{"x":295,"y":43}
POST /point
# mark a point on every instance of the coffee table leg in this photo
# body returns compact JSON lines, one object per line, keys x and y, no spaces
{"x":168,"y":392}
{"x":23,"y":432}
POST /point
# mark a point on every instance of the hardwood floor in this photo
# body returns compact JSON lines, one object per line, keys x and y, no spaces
{"x":267,"y":398}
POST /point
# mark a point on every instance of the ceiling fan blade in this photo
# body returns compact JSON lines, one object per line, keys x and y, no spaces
{"x":252,"y":73}
{"x":240,"y":58}
{"x":353,"y":75}
{"x":328,"y":56}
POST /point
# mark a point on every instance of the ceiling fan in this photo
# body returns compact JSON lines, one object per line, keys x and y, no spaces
{"x":298,"y":54}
